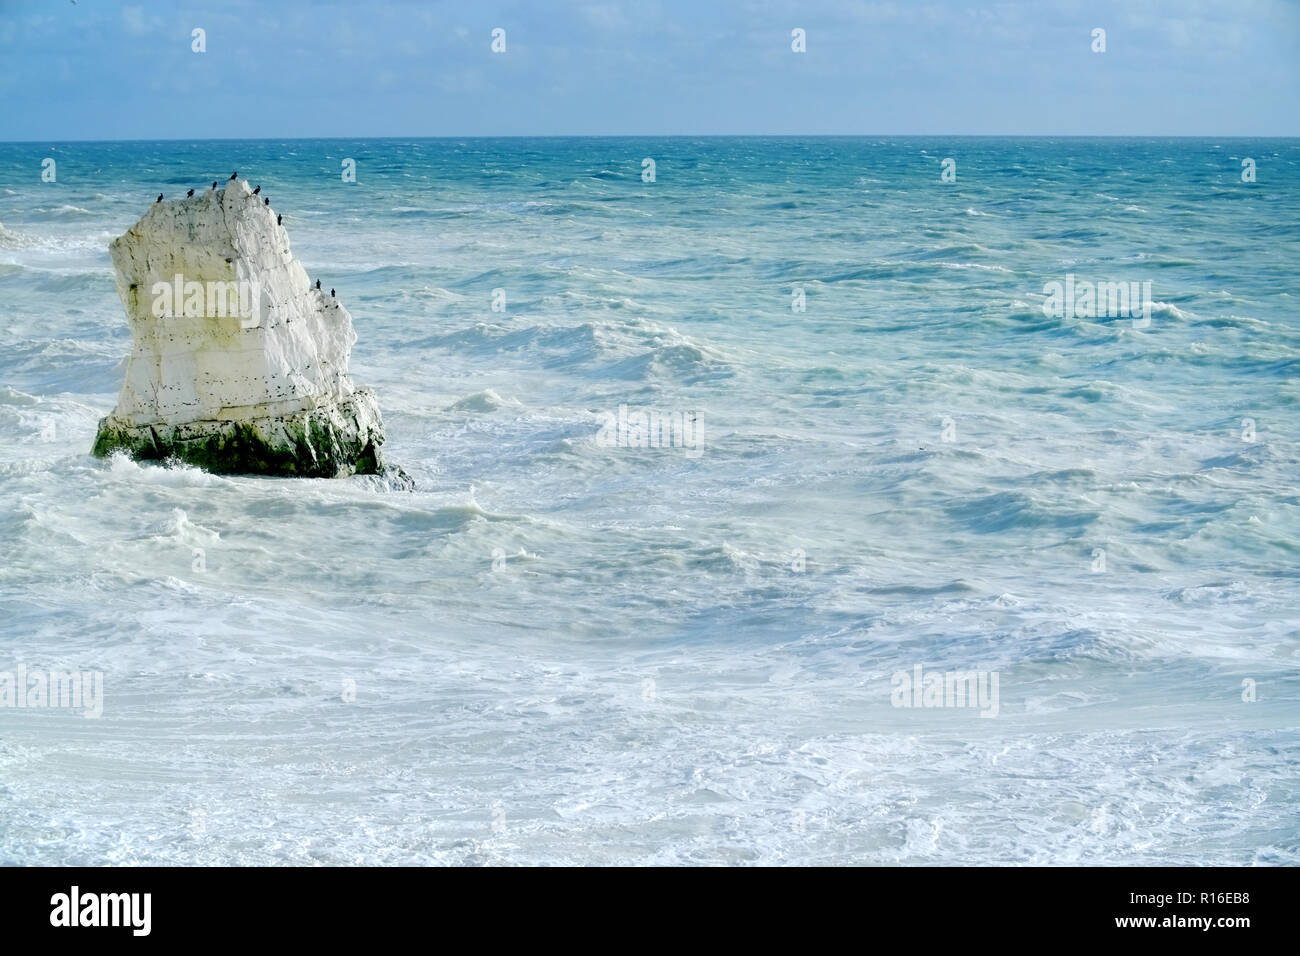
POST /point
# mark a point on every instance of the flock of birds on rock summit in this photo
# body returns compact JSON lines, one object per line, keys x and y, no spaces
{"x":266,"y":201}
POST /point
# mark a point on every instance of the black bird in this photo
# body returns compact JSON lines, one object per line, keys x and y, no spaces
{"x":257,"y":190}
{"x":214,"y":184}
{"x":331,"y":293}
{"x":318,"y":283}
{"x":277,"y":219}
{"x":234,"y":175}
{"x":159,"y":199}
{"x":266,"y":201}
{"x":190,"y":193}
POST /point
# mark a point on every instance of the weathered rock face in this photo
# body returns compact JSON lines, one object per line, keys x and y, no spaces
{"x":239,"y":365}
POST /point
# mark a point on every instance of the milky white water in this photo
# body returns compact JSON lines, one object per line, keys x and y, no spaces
{"x":555,"y":651}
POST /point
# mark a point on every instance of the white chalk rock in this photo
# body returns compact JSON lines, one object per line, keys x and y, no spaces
{"x":239,"y":364}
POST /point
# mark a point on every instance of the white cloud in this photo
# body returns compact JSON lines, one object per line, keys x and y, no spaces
{"x":136,"y":23}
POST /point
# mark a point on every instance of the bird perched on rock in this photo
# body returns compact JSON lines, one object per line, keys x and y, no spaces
{"x":159,"y":199}
{"x":277,"y":219}
{"x":331,"y":293}
{"x":214,"y":184}
{"x":257,"y":190}
{"x":234,"y":176}
{"x":190,"y":193}
{"x":317,"y":281}
{"x":266,"y":201}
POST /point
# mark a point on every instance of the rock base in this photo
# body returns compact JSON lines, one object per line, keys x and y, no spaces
{"x":331,"y":441}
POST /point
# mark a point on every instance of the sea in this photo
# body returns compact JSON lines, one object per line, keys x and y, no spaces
{"x":737,"y":461}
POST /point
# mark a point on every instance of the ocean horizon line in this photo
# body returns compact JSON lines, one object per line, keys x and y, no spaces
{"x":681,"y":136}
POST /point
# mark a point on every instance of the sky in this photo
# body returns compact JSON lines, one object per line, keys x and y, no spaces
{"x":93,"y":69}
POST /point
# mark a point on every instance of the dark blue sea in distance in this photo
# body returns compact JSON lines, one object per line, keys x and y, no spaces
{"x":565,"y":648}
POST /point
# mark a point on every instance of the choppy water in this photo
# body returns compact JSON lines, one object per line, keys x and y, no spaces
{"x":564,"y":652}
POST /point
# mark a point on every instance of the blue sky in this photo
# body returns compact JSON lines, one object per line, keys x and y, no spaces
{"x":295,"y":68}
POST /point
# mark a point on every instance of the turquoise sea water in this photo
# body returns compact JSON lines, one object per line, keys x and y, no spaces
{"x":560,"y":651}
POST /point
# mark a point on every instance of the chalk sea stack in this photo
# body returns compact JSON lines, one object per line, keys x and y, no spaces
{"x":239,"y":366}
